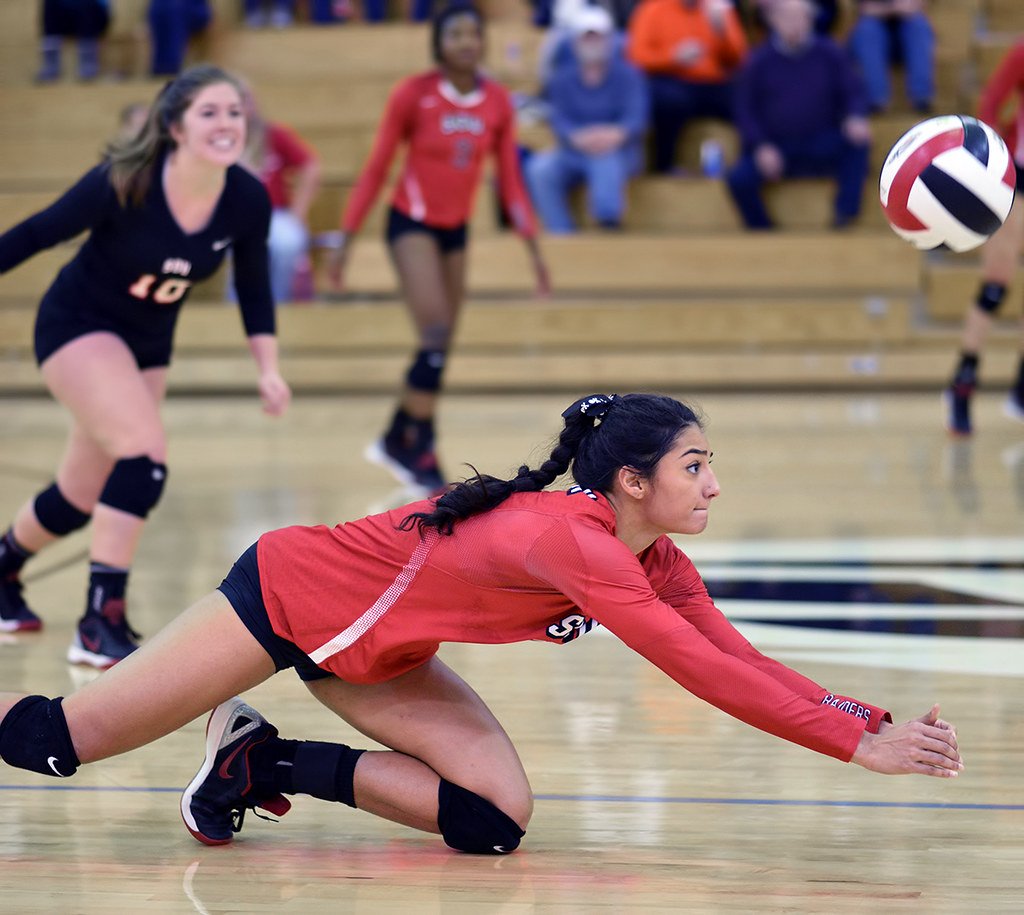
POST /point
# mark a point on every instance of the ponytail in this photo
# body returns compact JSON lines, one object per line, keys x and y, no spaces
{"x":132,"y":159}
{"x":602,"y":433}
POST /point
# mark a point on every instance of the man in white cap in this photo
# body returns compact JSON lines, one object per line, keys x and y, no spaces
{"x":598,"y":115}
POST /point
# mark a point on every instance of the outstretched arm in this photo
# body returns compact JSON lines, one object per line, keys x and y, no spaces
{"x":78,"y":209}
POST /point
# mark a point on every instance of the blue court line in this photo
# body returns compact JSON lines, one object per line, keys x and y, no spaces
{"x":611,"y":799}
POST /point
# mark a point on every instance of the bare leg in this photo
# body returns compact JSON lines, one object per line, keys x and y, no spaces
{"x":427,"y":288}
{"x":998,"y":265}
{"x":117,"y":406}
{"x":152,"y":692}
{"x":439,"y":728}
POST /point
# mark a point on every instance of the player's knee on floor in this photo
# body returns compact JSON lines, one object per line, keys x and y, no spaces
{"x":134,"y":485}
{"x":34,"y":735}
{"x":473,"y":824}
{"x":55,"y":513}
{"x":990,"y":297}
{"x":426,"y":370}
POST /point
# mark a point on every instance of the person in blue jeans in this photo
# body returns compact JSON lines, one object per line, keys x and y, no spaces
{"x":901,"y":26}
{"x":598,"y":114}
{"x":801,"y":113}
{"x":171,"y":24}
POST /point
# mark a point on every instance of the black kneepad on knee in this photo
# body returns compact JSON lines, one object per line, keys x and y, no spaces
{"x":426,"y":371}
{"x":56,"y":513}
{"x":473,"y":824}
{"x":34,"y":735}
{"x":135,"y":485}
{"x":990,"y":297}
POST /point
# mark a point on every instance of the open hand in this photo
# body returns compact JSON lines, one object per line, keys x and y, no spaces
{"x":923,"y":746}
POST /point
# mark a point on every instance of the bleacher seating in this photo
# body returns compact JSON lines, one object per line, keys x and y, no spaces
{"x":683,"y":297}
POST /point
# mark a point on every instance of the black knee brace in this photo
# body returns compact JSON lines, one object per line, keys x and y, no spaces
{"x":34,"y":735}
{"x":426,"y":371}
{"x":990,"y":297}
{"x":134,"y":485}
{"x":57,"y":514}
{"x":472,"y":824}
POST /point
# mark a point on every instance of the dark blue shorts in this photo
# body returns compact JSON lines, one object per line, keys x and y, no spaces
{"x":242,"y":589}
{"x":56,"y":325}
{"x":1020,"y":178}
{"x":448,"y":240}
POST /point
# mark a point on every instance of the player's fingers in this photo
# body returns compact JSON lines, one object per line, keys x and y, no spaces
{"x":935,"y":757}
{"x":948,"y":738}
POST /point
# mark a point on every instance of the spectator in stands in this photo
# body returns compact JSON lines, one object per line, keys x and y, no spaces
{"x":276,"y":13}
{"x":755,"y":13}
{"x":171,"y":24}
{"x":598,"y":115}
{"x":690,"y":50}
{"x":801,"y":112}
{"x":290,"y":171}
{"x":83,"y":20}
{"x":900,"y":27}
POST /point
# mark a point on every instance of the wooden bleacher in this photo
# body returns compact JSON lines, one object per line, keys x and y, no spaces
{"x":683,"y":298}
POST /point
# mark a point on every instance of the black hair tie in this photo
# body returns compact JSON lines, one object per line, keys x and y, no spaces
{"x":593,"y":407}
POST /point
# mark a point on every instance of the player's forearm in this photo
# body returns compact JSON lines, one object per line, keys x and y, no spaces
{"x":264,"y":349}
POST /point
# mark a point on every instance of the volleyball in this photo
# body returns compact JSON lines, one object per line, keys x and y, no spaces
{"x":949,"y":181}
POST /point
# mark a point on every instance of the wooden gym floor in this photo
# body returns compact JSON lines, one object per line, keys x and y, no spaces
{"x":648,"y":800}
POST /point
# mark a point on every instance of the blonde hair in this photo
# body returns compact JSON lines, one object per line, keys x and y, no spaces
{"x":133,"y":158}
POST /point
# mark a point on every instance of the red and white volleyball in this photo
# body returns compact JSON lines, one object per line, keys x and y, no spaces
{"x":949,"y":182}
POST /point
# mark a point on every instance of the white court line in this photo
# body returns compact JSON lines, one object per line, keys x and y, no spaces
{"x":815,"y":610}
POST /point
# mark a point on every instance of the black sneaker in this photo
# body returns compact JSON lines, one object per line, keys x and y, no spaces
{"x":957,"y":398}
{"x":410,"y":466}
{"x":102,"y":639}
{"x":214,"y":803}
{"x":15,"y":615}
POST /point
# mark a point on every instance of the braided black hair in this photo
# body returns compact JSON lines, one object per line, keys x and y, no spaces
{"x":602,"y":433}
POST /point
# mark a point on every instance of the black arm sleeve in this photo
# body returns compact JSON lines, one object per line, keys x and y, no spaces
{"x":80,"y":208}
{"x":252,"y":269}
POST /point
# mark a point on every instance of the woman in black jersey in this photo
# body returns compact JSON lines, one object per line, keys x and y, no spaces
{"x":162,"y":209}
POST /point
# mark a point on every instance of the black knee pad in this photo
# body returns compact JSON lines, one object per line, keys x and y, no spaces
{"x":57,"y":514}
{"x":34,"y":735}
{"x":134,"y":485}
{"x":472,"y":824}
{"x":426,"y":371}
{"x":990,"y":297}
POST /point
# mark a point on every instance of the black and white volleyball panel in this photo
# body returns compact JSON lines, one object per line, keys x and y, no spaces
{"x":949,"y":181}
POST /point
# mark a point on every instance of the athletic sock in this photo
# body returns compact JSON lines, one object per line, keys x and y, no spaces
{"x":966,"y":371}
{"x":321,"y":770}
{"x":12,"y":555}
{"x":107,"y":586}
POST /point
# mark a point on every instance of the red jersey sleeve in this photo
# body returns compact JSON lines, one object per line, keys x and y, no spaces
{"x":1009,"y":75}
{"x":678,"y":583}
{"x":290,"y":148}
{"x":510,"y":174}
{"x":394,"y":128}
{"x":605,"y":580}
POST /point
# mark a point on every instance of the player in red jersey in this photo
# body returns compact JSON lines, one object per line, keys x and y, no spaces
{"x":998,"y":256}
{"x":450,"y":118}
{"x":360,"y":610}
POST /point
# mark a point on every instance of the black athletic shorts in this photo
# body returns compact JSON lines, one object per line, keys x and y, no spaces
{"x":56,"y":326}
{"x":448,"y":239}
{"x":1020,"y":178}
{"x":242,"y":589}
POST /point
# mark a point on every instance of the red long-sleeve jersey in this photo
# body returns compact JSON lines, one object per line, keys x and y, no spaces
{"x":448,"y":136}
{"x":1008,"y":78}
{"x":368,"y":602}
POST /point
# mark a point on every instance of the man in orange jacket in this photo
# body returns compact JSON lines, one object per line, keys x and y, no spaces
{"x":690,"y":50}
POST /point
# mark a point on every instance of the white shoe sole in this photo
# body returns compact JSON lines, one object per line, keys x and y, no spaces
{"x":79,"y":655}
{"x":375,"y":454}
{"x":219,"y":720}
{"x":1012,"y":410}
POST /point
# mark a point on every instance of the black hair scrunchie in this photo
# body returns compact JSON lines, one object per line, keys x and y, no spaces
{"x":594,"y":406}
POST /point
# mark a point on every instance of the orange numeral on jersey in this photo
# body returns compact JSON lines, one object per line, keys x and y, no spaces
{"x":167,"y":293}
